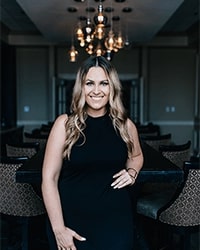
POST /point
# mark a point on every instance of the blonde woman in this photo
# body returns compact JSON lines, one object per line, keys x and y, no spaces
{"x":92,"y":158}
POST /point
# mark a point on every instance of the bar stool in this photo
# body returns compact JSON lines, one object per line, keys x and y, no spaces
{"x":178,"y":153}
{"x":150,"y":129}
{"x":179,"y":210}
{"x":183,"y":213}
{"x":18,"y":200}
{"x":23,"y":149}
{"x":156,"y":140}
{"x":42,"y":139}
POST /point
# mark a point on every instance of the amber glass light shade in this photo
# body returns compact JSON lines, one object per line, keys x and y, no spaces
{"x":89,"y":49}
{"x":99,"y":33}
{"x":119,"y":41}
{"x":99,"y":50}
{"x":73,"y":53}
{"x":79,"y":34}
{"x":110,"y":41}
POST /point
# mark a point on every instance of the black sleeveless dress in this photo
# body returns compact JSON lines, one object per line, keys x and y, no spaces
{"x":91,"y":207}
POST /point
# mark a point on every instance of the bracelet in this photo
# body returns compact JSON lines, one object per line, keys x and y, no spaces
{"x":133,"y":179}
{"x":133,"y":169}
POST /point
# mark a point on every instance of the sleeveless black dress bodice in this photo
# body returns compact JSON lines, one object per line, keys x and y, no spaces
{"x":92,"y":207}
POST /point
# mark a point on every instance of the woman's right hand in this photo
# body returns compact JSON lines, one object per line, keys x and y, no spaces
{"x":65,"y":239}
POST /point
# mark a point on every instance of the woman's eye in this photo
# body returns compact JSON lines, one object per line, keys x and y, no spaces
{"x":89,"y":83}
{"x":104,"y":83}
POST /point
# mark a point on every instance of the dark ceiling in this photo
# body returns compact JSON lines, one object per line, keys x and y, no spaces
{"x":52,"y":20}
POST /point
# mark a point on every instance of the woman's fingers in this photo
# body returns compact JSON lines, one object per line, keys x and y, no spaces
{"x":78,"y":237}
{"x":73,"y":248}
{"x":65,"y":239}
{"x":123,"y":179}
{"x":123,"y":171}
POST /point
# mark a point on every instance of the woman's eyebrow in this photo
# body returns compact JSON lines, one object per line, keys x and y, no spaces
{"x":105,"y":80}
{"x":89,"y":80}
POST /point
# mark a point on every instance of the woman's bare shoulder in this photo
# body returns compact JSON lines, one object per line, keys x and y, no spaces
{"x":60,"y":120}
{"x":130,"y":125}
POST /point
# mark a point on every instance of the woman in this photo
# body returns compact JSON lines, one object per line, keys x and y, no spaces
{"x":92,"y":157}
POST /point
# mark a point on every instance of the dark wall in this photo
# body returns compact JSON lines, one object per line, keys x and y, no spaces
{"x":8,"y":86}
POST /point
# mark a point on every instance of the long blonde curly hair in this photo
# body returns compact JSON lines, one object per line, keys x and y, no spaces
{"x":75,"y":123}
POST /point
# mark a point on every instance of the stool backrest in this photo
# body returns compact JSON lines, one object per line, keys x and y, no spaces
{"x":17,"y":199}
{"x":42,"y":139}
{"x":156,"y":141}
{"x":24,"y":149}
{"x":185,"y":209}
{"x":177,"y":154}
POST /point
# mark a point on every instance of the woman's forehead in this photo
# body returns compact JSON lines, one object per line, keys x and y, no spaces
{"x":96,"y":72}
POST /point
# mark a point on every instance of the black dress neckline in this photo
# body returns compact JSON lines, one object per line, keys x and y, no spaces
{"x":98,"y":117}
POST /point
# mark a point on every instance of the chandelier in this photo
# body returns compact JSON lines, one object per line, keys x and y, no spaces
{"x":97,"y":37}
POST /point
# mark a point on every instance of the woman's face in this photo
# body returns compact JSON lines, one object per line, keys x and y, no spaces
{"x":97,"y":91}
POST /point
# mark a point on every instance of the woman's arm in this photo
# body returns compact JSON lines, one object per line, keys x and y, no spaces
{"x":50,"y":174}
{"x":134,"y":163}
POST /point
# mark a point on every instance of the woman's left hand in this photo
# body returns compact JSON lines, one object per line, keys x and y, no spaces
{"x":123,"y":179}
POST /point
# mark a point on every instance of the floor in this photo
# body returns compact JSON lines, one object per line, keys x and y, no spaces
{"x":11,"y":234}
{"x":147,"y":237}
{"x":158,"y":236}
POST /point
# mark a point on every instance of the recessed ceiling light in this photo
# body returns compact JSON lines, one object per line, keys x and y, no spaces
{"x":115,"y":18}
{"x":120,"y":1}
{"x":109,"y":9}
{"x":82,"y":18}
{"x":127,"y":9}
{"x":72,"y":9}
{"x":90,"y":9}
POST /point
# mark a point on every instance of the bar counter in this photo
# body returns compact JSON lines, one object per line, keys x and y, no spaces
{"x":156,"y":168}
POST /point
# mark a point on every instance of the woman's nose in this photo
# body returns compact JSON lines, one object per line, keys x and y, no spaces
{"x":96,"y":89}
